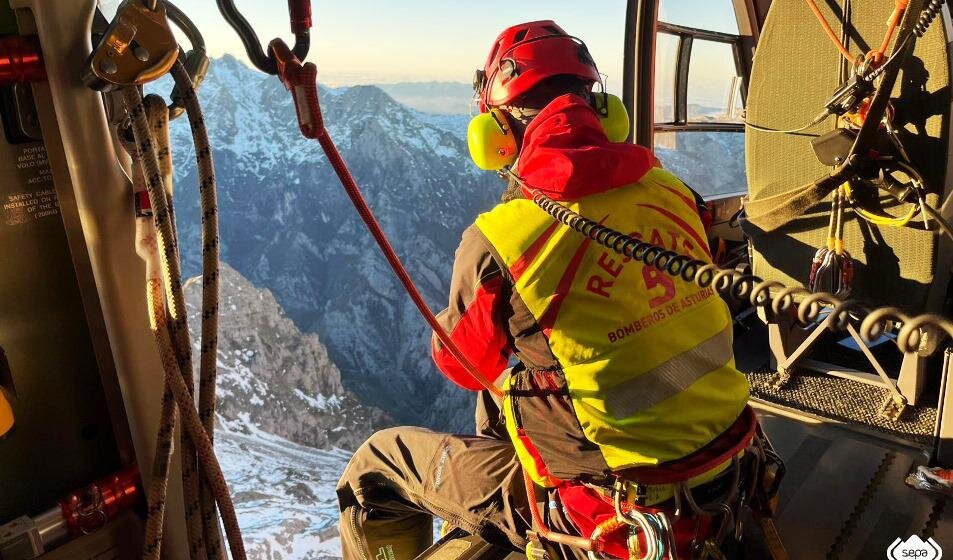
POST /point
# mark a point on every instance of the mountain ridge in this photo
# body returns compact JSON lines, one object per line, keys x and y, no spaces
{"x":287,"y":226}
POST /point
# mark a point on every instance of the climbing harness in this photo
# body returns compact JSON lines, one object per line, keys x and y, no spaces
{"x":136,"y":48}
{"x":685,"y":524}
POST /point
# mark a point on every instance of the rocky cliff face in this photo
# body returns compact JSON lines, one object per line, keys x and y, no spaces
{"x":274,"y":378}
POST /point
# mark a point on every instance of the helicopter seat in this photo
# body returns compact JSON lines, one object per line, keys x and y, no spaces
{"x":796,"y":70}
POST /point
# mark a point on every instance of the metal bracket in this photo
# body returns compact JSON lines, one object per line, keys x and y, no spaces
{"x":781,"y":378}
{"x":20,"y":540}
{"x":893,"y":407}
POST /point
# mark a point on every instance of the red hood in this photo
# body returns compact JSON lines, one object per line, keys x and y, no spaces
{"x":567,"y":156}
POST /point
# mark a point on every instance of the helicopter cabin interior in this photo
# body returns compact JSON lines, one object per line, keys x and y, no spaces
{"x":849,"y":372}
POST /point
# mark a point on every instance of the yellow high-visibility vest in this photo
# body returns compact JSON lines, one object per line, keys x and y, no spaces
{"x":647,"y":357}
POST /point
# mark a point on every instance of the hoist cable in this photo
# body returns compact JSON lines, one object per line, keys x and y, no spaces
{"x":741,"y":286}
{"x":816,"y":121}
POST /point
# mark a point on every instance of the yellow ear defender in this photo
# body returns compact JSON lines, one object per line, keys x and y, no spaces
{"x":613,"y":116}
{"x":491,"y":141}
{"x":493,"y":146}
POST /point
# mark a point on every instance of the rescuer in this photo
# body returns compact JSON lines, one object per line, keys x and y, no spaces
{"x":617,"y":364}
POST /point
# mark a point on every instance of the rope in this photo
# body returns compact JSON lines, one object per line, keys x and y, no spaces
{"x":158,"y":116}
{"x":354,"y":193}
{"x":178,"y":372}
{"x":147,"y":250}
{"x":301,"y":81}
{"x":158,"y":122}
{"x":208,"y":351}
{"x":876,"y":57}
{"x":830,"y":32}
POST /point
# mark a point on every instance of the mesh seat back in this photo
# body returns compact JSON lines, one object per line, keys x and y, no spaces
{"x":796,"y":69}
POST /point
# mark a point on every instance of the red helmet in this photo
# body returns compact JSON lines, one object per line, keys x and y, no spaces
{"x":526,"y":54}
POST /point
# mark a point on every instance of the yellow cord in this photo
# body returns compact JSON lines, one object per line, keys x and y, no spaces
{"x":879,"y":219}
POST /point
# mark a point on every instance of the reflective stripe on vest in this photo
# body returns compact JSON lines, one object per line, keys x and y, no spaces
{"x":671,"y":378}
{"x":647,"y":357}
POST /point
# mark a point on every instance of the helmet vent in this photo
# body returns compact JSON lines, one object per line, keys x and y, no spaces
{"x":520,"y":35}
{"x":554,"y":30}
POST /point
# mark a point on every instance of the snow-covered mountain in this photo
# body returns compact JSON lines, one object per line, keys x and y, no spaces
{"x":710,"y":162}
{"x":285,"y":423}
{"x":287,"y":226}
{"x":283,"y":494}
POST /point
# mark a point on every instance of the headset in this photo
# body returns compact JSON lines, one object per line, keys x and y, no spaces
{"x":490,"y":138}
{"x":493,"y":145}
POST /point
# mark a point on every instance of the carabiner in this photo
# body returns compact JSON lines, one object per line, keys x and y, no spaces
{"x":300,"y":19}
{"x":196,"y":59}
{"x":302,"y":81}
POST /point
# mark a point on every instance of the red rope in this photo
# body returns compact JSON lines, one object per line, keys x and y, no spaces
{"x":878,"y":56}
{"x":301,"y":81}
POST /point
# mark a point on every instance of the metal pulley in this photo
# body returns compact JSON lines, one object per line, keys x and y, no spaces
{"x":138,"y":47}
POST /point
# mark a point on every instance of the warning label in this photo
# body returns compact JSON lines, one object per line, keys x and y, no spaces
{"x":30,"y":205}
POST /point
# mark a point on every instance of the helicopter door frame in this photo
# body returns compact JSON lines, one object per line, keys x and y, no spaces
{"x":642,"y":27}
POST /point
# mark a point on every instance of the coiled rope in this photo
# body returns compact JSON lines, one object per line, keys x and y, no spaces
{"x":742,"y":286}
{"x":169,"y":323}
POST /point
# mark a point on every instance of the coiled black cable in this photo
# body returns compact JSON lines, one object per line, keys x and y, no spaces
{"x":741,"y":286}
{"x":927,"y":16}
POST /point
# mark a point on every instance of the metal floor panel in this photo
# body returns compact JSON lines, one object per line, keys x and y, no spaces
{"x":894,"y":510}
{"x":940,"y":524}
{"x":844,"y":495}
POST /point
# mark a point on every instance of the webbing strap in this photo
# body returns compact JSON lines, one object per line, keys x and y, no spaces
{"x":776,"y":211}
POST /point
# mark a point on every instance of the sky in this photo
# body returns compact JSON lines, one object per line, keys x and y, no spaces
{"x":388,"y":41}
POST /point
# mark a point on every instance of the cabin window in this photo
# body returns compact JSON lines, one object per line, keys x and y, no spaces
{"x":712,"y":15}
{"x":714,"y":84}
{"x":699,"y":96}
